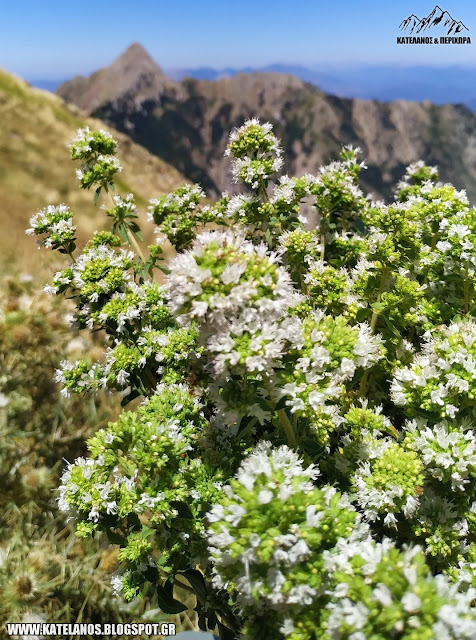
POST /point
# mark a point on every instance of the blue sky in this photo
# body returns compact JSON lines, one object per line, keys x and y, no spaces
{"x":59,"y":38}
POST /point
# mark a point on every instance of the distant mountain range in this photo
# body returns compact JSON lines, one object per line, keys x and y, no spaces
{"x":441,"y":85}
{"x":187,"y":123}
{"x":437,"y":17}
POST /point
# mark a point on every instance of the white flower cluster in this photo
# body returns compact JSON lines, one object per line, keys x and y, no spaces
{"x":256,"y":153}
{"x":87,"y":467}
{"x":89,"y":273}
{"x":136,"y":304}
{"x":284,"y":334}
{"x":107,"y":164}
{"x":326,"y":354}
{"x":263,"y":559}
{"x":420,"y":602}
{"x":238,"y":205}
{"x":265,"y":459}
{"x":226,"y":259}
{"x":286,"y":190}
{"x":84,"y":142}
{"x":441,"y":379}
{"x":126,"y":205}
{"x":249,"y":344}
{"x":416,"y":169}
{"x":56,"y":222}
{"x":337,"y":171}
{"x":448,"y":451}
{"x":385,"y":483}
{"x":184,"y":198}
{"x":239,"y":294}
{"x":254,"y":172}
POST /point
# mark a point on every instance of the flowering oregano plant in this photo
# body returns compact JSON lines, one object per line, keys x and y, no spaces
{"x":302,"y":457}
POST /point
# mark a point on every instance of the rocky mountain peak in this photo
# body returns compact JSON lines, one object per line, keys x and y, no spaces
{"x":133,"y":75}
{"x":136,"y":59}
{"x":188,"y":123}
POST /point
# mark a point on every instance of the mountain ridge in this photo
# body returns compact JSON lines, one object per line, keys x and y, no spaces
{"x":440,"y":85}
{"x":132,"y":72}
{"x":188,"y":125}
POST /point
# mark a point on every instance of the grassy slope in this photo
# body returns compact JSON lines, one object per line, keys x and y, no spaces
{"x":35,"y":170}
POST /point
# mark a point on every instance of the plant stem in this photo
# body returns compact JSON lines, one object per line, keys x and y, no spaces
{"x":264,"y":191}
{"x":467,"y":296}
{"x":363,"y":384}
{"x":85,"y":601}
{"x":373,"y":324}
{"x":288,"y":428}
{"x":70,"y":255}
{"x":283,"y":419}
{"x":134,"y":242}
{"x":376,"y":314}
{"x":434,"y":240}
{"x":130,"y":235}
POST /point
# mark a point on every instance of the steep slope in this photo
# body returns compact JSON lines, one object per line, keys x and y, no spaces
{"x":35,"y":169}
{"x":188,"y":126}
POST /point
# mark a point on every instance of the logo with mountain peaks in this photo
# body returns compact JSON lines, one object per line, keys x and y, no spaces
{"x":456,"y":32}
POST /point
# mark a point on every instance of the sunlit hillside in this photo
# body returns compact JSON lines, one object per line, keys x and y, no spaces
{"x":35,"y":169}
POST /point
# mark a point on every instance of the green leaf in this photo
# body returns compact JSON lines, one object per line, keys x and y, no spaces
{"x":96,"y":195}
{"x":123,"y":232}
{"x":202,"y":621}
{"x":151,"y":574}
{"x":167,"y":602}
{"x":281,"y":403}
{"x":197,"y":581}
{"x":163,"y":563}
{"x":212,"y":621}
{"x":392,"y":327}
{"x":146,"y":532}
{"x":246,"y":426}
{"x":312,"y":448}
{"x":224,"y":633}
{"x":378,"y":307}
{"x":166,"y":270}
{"x":169,"y":586}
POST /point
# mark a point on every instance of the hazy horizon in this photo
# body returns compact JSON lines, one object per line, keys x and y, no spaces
{"x":58,"y":40}
{"x":313,"y":67}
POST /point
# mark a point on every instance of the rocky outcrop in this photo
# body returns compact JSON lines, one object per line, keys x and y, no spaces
{"x":134,"y":75}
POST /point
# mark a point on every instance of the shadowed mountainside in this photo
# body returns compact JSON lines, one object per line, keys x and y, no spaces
{"x":187,"y":123}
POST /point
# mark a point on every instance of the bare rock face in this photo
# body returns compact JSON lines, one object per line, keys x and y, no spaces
{"x":188,"y":123}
